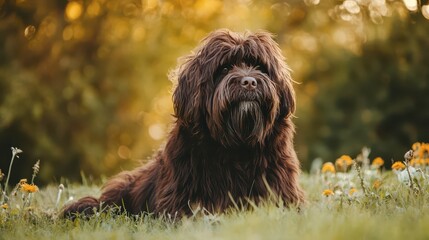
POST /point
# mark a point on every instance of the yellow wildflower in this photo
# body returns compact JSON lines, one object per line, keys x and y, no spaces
{"x":416,"y":146}
{"x":421,"y":149}
{"x":376,"y":184}
{"x":377,"y":162}
{"x":352,"y":191}
{"x":343,"y":162}
{"x":417,"y":162}
{"x":25,"y":187}
{"x":398,"y":166}
{"x":328,"y":167}
{"x":425,"y":146}
{"x":4,"y":206}
{"x":425,"y":150}
{"x":327,"y":192}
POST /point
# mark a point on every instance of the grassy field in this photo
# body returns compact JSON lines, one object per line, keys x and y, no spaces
{"x":364,"y":203}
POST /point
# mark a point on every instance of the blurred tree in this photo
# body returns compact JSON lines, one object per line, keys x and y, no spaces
{"x":83,"y":84}
{"x":371,"y":96}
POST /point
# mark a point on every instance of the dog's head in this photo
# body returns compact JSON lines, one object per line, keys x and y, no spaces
{"x":238,"y":85}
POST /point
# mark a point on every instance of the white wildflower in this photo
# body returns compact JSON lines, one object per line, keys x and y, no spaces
{"x":404,"y":178}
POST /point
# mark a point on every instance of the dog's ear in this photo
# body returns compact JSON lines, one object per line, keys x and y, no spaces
{"x":287,"y":92}
{"x":287,"y":100}
{"x":278,"y":69}
{"x":193,"y":76}
{"x":186,"y":96}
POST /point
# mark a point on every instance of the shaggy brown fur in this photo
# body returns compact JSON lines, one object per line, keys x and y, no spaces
{"x":233,"y":138}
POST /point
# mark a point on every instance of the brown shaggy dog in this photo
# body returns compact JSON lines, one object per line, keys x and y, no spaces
{"x":232,"y":141}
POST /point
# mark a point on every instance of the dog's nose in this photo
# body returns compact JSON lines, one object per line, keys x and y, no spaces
{"x":249,"y":83}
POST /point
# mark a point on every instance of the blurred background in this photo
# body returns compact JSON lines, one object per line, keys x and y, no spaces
{"x":84,"y":87}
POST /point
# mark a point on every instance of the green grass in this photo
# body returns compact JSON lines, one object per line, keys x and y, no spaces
{"x":393,"y":211}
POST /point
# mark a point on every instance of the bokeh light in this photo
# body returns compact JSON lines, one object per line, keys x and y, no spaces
{"x":74,"y":10}
{"x":30,"y":31}
{"x":425,"y":11}
{"x":156,"y":131}
{"x":411,"y":5}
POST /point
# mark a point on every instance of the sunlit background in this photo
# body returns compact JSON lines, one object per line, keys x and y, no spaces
{"x":84,"y":87}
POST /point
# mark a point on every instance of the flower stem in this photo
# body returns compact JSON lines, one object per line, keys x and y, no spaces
{"x":362,"y":184}
{"x":60,"y":191}
{"x":8,"y":173}
{"x":408,"y":156}
{"x":15,"y":152}
{"x":409,"y":176}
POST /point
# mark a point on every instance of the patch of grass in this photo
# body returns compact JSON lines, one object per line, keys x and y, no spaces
{"x":381,"y":206}
{"x":401,"y":215}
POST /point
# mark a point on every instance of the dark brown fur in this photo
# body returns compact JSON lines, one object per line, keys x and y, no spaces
{"x":228,"y":144}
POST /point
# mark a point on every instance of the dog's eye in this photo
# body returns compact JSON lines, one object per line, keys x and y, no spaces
{"x":262,"y":68}
{"x":226,"y":69}
{"x":222,"y":71}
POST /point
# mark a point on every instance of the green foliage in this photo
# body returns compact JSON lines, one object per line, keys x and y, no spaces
{"x":374,"y":98}
{"x":83,"y":84}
